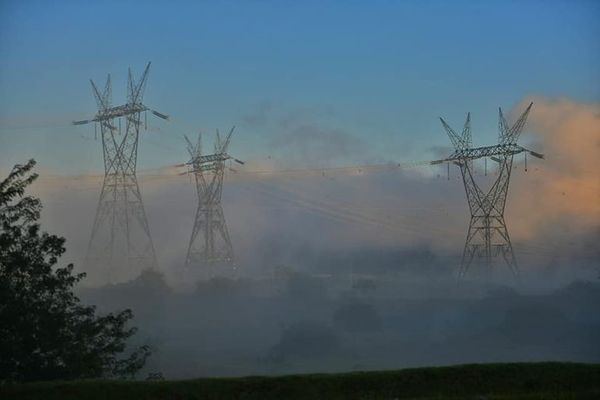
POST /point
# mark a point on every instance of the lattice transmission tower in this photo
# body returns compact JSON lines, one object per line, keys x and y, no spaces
{"x":120,"y":238}
{"x":210,"y":242}
{"x":487,"y":236}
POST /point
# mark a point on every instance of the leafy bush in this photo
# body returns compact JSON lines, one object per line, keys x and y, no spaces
{"x":45,"y":332}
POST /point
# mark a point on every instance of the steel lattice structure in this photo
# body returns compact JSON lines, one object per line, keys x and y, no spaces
{"x":120,"y":234}
{"x":487,"y":236}
{"x":210,"y":241}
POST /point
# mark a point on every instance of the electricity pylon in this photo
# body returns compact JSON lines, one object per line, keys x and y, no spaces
{"x":120,"y":235}
{"x":487,"y":236}
{"x":210,"y":242}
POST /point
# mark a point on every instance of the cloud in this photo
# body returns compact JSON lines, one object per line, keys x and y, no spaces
{"x":315,"y":144}
{"x":301,"y":115}
{"x":441,"y":152}
{"x":259,"y":117}
{"x":562,"y":191}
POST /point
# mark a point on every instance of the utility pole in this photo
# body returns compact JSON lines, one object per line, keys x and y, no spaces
{"x":120,"y":238}
{"x":210,"y":242}
{"x":487,"y":236}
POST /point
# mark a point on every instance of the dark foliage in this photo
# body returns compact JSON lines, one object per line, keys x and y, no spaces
{"x":483,"y":381}
{"x":45,"y":332}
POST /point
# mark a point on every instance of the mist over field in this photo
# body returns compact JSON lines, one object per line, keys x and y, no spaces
{"x":408,"y":219}
{"x":356,"y":269}
{"x":293,"y":322}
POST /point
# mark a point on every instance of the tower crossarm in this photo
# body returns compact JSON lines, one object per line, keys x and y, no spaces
{"x":210,"y":158}
{"x":121,"y":111}
{"x":210,"y":161}
{"x":499,"y":150}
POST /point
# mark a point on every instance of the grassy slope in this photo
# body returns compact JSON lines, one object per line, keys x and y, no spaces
{"x":484,"y":381}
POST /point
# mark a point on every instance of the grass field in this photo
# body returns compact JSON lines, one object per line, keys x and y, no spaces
{"x":551,"y":380}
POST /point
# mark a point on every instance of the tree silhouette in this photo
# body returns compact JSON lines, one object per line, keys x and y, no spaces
{"x":45,"y":332}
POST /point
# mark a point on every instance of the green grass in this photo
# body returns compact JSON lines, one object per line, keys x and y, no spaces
{"x":551,"y":380}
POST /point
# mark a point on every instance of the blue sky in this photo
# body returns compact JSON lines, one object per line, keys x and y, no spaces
{"x":376,"y":73}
